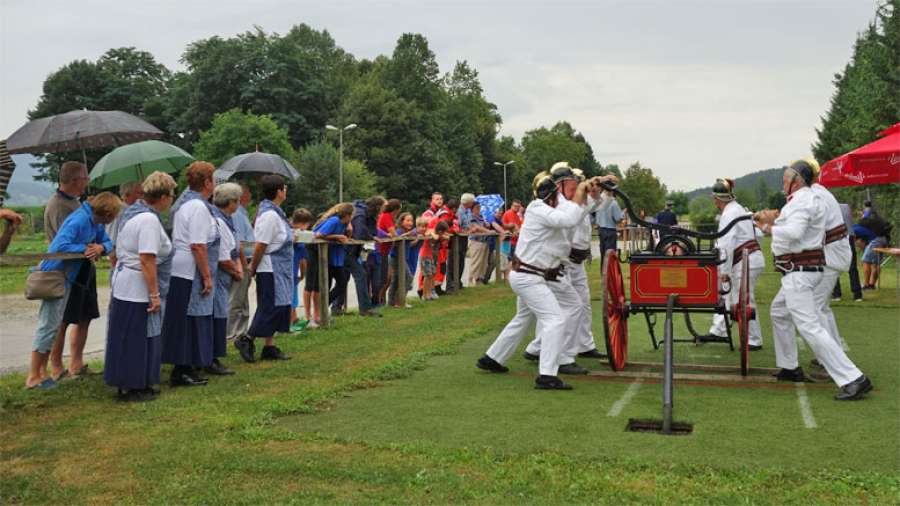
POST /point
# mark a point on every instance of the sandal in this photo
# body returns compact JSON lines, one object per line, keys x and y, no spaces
{"x":85,"y":371}
{"x":47,"y":384}
{"x":63,"y":375}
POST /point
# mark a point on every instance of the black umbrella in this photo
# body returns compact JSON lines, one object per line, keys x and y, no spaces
{"x":82,"y":130}
{"x":256,"y":164}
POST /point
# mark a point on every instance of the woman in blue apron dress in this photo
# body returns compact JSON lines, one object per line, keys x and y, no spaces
{"x":139,"y":283}
{"x":273,"y":261}
{"x":231,"y":257}
{"x":187,"y":335}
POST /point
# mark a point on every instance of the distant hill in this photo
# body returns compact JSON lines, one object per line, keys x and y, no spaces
{"x":23,"y":190}
{"x":749,"y":182}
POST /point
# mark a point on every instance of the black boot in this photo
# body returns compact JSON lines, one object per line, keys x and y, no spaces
{"x":488,"y":364}
{"x":854,"y":390}
{"x":272,"y":353}
{"x":595,"y":353}
{"x":246,"y":349}
{"x":544,"y":382}
{"x":530,"y":356}
{"x":217,"y":369}
{"x":795,"y":375}
{"x":183,"y":376}
{"x":572,"y":369}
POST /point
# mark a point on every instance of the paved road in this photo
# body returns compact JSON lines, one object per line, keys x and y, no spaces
{"x":18,"y":319}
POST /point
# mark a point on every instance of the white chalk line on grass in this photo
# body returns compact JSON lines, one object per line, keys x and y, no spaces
{"x":629,"y":394}
{"x":809,"y":421}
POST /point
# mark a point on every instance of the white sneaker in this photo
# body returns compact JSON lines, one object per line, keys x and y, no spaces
{"x":312,"y":325}
{"x":408,"y":306}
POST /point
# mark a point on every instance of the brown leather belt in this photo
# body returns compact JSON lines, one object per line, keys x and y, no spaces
{"x":812,"y":260}
{"x":551,"y":274}
{"x":836,"y":234}
{"x":579,"y":255}
{"x":738,"y":255}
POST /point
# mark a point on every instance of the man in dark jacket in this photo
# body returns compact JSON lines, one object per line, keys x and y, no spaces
{"x":363,"y":222}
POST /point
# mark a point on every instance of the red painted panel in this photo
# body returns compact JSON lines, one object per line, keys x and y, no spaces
{"x":695,"y":284}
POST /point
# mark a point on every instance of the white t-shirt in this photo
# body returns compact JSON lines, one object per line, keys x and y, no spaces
{"x":269,"y":230}
{"x":194,"y":224}
{"x":227,"y":241}
{"x":142,"y":234}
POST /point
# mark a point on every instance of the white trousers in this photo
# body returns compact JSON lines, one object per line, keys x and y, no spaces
{"x":795,"y":307}
{"x":718,"y":324}
{"x":582,"y":338}
{"x":549,"y":304}
{"x":822,"y":293}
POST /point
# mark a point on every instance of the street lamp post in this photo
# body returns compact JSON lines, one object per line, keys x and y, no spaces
{"x":340,"y":131}
{"x":505,"y":196}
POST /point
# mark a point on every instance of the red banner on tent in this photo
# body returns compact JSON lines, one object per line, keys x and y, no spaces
{"x":875,"y":163}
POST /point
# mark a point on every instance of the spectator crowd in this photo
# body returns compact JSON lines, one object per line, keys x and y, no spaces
{"x":182,"y":267}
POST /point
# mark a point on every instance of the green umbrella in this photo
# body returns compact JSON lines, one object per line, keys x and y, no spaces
{"x":134,"y":162}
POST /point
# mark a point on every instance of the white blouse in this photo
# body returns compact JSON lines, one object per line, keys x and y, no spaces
{"x":193,"y":224}
{"x":142,"y":234}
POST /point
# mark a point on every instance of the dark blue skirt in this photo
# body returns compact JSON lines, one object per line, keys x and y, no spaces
{"x":132,"y":359}
{"x":220,"y":339}
{"x":186,"y":340}
{"x":268,"y":318}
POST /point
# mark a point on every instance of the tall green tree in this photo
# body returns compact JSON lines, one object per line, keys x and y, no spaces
{"x":644,"y":189}
{"x":866,"y":100}
{"x":317,"y":189}
{"x":545,"y":146}
{"x":234,"y":132}
{"x":470,"y":126}
{"x":299,"y":79}
{"x":391,"y":140}
{"x":680,"y":201}
{"x":122,"y":79}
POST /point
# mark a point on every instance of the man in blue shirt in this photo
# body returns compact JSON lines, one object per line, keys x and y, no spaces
{"x":607,"y":221}
{"x":81,"y":233}
{"x":238,"y":302}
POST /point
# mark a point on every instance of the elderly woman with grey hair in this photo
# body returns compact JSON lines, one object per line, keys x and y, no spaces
{"x":226,"y":198}
{"x":140,"y":281}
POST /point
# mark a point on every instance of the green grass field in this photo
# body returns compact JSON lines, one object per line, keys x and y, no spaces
{"x":393,"y":410}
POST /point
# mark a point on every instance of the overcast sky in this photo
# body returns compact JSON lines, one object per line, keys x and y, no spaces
{"x":694,"y":89}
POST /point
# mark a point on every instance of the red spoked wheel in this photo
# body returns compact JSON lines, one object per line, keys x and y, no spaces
{"x":615,"y":316}
{"x":742,"y":312}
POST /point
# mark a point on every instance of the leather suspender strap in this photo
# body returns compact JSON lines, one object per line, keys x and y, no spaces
{"x":551,"y":274}
{"x":738,"y":254}
{"x":808,"y":258}
{"x":836,"y":234}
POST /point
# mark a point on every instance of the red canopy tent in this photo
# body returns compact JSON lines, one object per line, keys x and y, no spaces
{"x":875,"y":163}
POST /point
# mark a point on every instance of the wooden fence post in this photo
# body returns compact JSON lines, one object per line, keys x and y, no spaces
{"x":324,"y":309}
{"x":453,"y":271}
{"x":498,"y":271}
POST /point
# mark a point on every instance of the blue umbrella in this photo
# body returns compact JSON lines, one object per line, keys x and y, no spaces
{"x":489,"y":203}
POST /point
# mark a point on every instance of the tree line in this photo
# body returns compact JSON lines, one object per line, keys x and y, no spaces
{"x":418,"y":130}
{"x":866,"y":100}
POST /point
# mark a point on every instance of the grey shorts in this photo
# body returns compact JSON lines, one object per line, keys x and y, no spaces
{"x":50,"y":316}
{"x":428,"y":266}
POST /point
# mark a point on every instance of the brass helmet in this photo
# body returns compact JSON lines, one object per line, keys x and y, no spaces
{"x":579,"y":174}
{"x":543,"y":186}
{"x":723,"y":190}
{"x":561,"y":172}
{"x":807,"y":169}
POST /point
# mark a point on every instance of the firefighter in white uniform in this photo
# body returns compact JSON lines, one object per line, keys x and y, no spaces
{"x":837,"y":255}
{"x":797,"y":237}
{"x":741,"y":238}
{"x":543,"y":290}
{"x":581,"y":343}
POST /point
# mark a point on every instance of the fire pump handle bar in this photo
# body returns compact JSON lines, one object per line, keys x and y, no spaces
{"x":614,"y":189}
